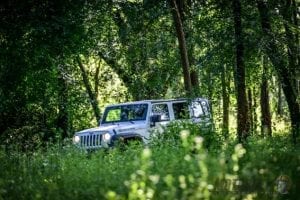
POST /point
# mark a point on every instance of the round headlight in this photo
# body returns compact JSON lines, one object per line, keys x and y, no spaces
{"x":106,"y":137}
{"x":76,"y":139}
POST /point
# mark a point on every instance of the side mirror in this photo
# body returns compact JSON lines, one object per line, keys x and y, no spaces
{"x":154,"y":119}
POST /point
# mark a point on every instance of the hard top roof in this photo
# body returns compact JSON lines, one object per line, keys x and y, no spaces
{"x":151,"y":101}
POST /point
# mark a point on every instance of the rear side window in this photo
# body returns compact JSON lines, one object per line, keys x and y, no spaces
{"x":162,"y":110}
{"x":181,"y":110}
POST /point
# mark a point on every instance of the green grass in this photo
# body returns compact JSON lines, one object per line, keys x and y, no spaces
{"x":184,"y":167}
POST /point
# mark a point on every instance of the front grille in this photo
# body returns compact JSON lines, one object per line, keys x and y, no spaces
{"x":91,"y":140}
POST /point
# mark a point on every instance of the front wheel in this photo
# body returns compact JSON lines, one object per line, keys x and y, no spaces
{"x":126,"y":143}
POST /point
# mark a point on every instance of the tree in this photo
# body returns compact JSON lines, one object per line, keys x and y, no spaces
{"x":63,"y":114}
{"x":242,"y":110}
{"x":226,"y":101}
{"x":49,"y":79}
{"x":288,"y":10}
{"x":280,"y":65}
{"x":92,"y":95}
{"x":266,"y":123}
{"x":182,"y":47}
{"x":40,"y":37}
{"x":251,"y":110}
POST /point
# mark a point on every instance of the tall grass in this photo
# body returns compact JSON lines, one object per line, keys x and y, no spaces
{"x":179,"y":165}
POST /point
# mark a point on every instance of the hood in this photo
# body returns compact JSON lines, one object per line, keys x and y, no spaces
{"x":117,"y":127}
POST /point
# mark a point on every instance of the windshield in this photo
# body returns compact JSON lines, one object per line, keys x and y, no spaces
{"x":125,"y":113}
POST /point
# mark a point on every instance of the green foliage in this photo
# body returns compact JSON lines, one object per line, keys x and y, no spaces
{"x":185,"y":170}
{"x":133,"y":45}
{"x":174,"y":130}
{"x":134,"y":42}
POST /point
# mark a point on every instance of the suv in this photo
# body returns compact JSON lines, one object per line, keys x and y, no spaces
{"x":136,"y":121}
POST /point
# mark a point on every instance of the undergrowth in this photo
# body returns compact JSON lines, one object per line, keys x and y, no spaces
{"x":181,"y":164}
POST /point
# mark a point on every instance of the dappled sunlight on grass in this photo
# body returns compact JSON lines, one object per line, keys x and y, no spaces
{"x":185,"y":168}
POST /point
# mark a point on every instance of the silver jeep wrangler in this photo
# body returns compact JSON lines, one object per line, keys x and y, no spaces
{"x":137,"y":120}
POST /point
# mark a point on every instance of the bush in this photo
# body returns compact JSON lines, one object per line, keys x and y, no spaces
{"x":170,"y":134}
{"x":183,"y":169}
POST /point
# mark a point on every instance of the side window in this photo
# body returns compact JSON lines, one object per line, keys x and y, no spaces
{"x":181,"y":110}
{"x":162,"y":110}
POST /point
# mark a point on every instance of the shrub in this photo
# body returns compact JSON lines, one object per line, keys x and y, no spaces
{"x":170,"y":135}
{"x":182,"y":169}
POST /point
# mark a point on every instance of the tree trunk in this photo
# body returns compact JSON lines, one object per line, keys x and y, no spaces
{"x":242,"y":110}
{"x":92,"y":96}
{"x":63,"y":114}
{"x":250,"y":109}
{"x":279,"y":103}
{"x":185,"y":10}
{"x":287,"y":12}
{"x":225,"y":97}
{"x":195,"y":81}
{"x":266,"y":124}
{"x":118,"y":69}
{"x":281,"y":68}
{"x":97,"y":80}
{"x":255,"y":118}
{"x":295,"y":6}
{"x":182,"y":47}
